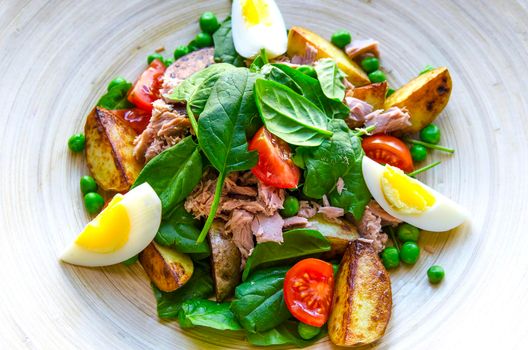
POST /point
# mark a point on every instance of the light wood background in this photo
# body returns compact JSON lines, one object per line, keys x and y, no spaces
{"x":56,"y":58}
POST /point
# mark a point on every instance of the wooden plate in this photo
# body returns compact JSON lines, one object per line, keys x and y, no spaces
{"x":56,"y":58}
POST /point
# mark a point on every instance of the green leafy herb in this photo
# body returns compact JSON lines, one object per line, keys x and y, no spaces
{"x":227,"y":116}
{"x":331,"y":78}
{"x":173,"y":173}
{"x":289,"y":115}
{"x":207,"y":313}
{"x":425,"y":168}
{"x":259,"y":302}
{"x":284,"y":334}
{"x":430,"y":145}
{"x":297,"y":243}
{"x":224,"y":47}
{"x":276,"y":74}
{"x":116,"y":97}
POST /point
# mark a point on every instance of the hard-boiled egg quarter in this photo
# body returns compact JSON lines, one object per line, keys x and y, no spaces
{"x":256,"y":25}
{"x":410,"y":200}
{"x":123,"y":229}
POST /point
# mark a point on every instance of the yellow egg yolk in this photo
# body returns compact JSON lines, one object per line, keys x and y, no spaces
{"x":256,"y":12}
{"x":108,"y":231}
{"x":404,"y":193}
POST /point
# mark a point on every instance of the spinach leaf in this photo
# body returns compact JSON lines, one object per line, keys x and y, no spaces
{"x":227,"y":116}
{"x":207,"y":313}
{"x":311,"y":89}
{"x":224,"y":47}
{"x":276,"y":74}
{"x":284,"y":334}
{"x":331,"y":79}
{"x":173,"y":173}
{"x":199,"y":286}
{"x":116,"y":97}
{"x":179,"y":230}
{"x":259,"y":302}
{"x":289,"y":115}
{"x":297,"y":243}
{"x":340,"y":156}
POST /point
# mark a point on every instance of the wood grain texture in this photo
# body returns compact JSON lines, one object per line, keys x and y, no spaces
{"x":56,"y":58}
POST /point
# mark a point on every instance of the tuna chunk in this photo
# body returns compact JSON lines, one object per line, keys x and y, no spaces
{"x":359,"y":110}
{"x":271,"y":197}
{"x":268,"y":228}
{"x":307,"y":209}
{"x":359,"y":48}
{"x":386,"y":218}
{"x":369,"y":227}
{"x":239,"y":226}
{"x":391,"y":120}
{"x":308,"y":58}
{"x":295,"y":221}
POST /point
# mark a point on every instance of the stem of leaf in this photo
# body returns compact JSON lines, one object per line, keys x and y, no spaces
{"x":393,"y":237}
{"x":430,"y":145}
{"x":194,"y":123}
{"x":214,"y":208}
{"x":264,"y":56}
{"x":425,"y":168}
{"x":364,"y":131}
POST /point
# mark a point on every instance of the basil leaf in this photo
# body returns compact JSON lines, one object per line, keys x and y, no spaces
{"x":207,"y":313}
{"x":311,"y":89}
{"x":331,"y":79}
{"x":297,"y":243}
{"x":199,"y":286}
{"x":289,"y":115}
{"x":173,"y":173}
{"x":116,"y":97}
{"x":284,"y":334}
{"x":259,"y":302}
{"x":224,"y":47}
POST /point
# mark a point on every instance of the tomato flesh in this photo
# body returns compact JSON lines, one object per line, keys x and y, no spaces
{"x":308,"y":291}
{"x":386,"y":149}
{"x":137,"y":118}
{"x":147,"y":87}
{"x":275,"y":166}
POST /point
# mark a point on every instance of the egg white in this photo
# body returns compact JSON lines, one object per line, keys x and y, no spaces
{"x":249,"y":40}
{"x":444,"y":215}
{"x":144,"y":211}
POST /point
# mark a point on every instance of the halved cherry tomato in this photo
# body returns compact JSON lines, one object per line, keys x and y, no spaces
{"x":137,"y":118}
{"x":308,"y":291}
{"x":275,"y":167}
{"x":386,"y":149}
{"x":146,"y":89}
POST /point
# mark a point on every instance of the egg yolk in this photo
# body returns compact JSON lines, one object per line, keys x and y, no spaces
{"x":108,"y":231}
{"x":256,"y":12}
{"x":403,"y":193}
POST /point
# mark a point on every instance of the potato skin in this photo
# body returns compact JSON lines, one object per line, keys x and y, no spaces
{"x":424,"y":97}
{"x":362,"y":302}
{"x":298,"y":38}
{"x":109,"y":151}
{"x":373,"y":94}
{"x":339,"y":232}
{"x":166,"y":268}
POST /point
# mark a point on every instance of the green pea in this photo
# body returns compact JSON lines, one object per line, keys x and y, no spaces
{"x":181,"y":51}
{"x":341,"y":38}
{"x":377,"y":77}
{"x":131,"y":261}
{"x":192,"y":46}
{"x":291,"y":207}
{"x":154,"y":56}
{"x":208,"y":22}
{"x":409,"y":253}
{"x":390,"y":258}
{"x":76,"y":142}
{"x":427,"y":68}
{"x":307,"y":331}
{"x":408,"y":233}
{"x":168,"y":61}
{"x":418,"y":153}
{"x":435,"y":274}
{"x":203,"y":40}
{"x":370,"y":64}
{"x":308,"y":70}
{"x":430,"y":134}
{"x":390,"y":91}
{"x":116,"y":82}
{"x":93,"y":202}
{"x":88,"y":184}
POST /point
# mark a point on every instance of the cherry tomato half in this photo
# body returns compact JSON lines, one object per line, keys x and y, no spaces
{"x":308,"y":291}
{"x":146,"y":89}
{"x":386,"y":149}
{"x":275,"y":166}
{"x":137,"y":118}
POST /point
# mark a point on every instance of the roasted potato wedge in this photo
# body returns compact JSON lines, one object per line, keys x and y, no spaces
{"x":339,"y":232}
{"x":424,"y":97}
{"x":109,"y":151}
{"x":373,"y":94}
{"x":362,"y":302}
{"x":225,"y":260}
{"x":298,"y":38}
{"x":166,"y":268}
